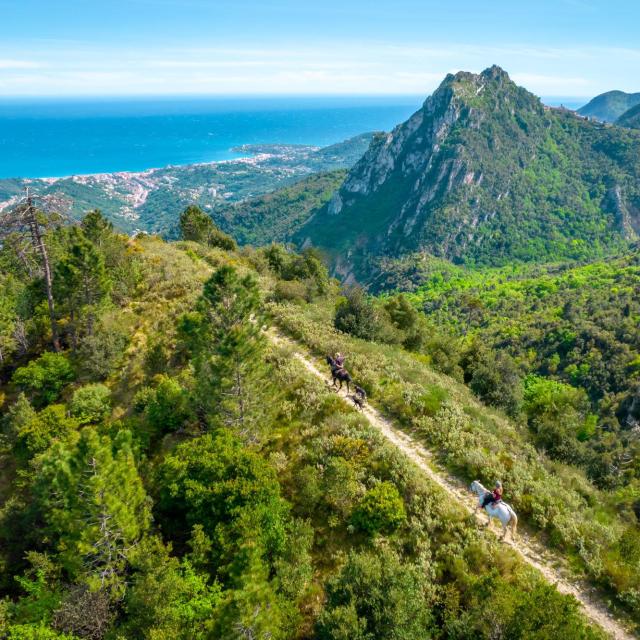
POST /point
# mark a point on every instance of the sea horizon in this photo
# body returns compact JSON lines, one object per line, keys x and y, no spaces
{"x":57,"y":137}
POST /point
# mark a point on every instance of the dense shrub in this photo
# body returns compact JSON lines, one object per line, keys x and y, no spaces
{"x":35,"y":632}
{"x":100,"y":353}
{"x":495,"y":379}
{"x":290,"y":291}
{"x":380,"y":511}
{"x":168,"y":406}
{"x":558,"y":417}
{"x":376,"y":595}
{"x":214,"y":481}
{"x":357,"y":315}
{"x":197,"y":226}
{"x":45,"y":377}
{"x":32,"y":432}
{"x":306,"y":268}
{"x":91,"y":403}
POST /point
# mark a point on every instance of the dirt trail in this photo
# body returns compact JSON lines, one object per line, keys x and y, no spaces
{"x":527,"y":548}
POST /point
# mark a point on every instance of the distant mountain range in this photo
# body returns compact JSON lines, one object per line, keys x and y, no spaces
{"x":609,"y":106}
{"x":483,"y":174}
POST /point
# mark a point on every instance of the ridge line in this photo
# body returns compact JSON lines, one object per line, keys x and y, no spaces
{"x":591,"y":605}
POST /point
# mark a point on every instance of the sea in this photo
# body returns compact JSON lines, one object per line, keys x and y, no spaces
{"x":61,"y":137}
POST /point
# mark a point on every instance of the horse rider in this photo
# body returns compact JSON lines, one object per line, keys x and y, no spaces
{"x":494,"y":497}
{"x":339,"y":360}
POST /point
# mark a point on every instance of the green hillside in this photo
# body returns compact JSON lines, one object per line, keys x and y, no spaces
{"x":609,"y":106}
{"x":630,"y":118}
{"x":484,"y":174}
{"x":577,"y":325}
{"x":420,"y":386}
{"x":277,"y":216}
{"x":171,"y":473}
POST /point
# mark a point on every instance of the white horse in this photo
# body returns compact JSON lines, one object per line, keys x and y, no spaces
{"x":501,"y":510}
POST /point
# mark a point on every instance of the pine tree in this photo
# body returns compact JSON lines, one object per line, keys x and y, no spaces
{"x":96,"y":227}
{"x":254,"y":610}
{"x":25,"y":228}
{"x":197,"y":226}
{"x":230,"y":364}
{"x":95,"y":507}
{"x":81,"y":282}
{"x":8,"y":319}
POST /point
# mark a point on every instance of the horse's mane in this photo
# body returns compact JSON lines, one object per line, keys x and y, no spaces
{"x":481,"y":486}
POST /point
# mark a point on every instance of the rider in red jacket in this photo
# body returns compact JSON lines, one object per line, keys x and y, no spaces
{"x":495,"y":496}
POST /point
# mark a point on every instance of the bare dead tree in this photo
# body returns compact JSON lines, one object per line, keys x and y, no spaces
{"x":84,"y":613}
{"x":25,"y":227}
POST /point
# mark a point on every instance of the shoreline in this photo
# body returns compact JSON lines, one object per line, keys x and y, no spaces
{"x":252,"y":158}
{"x":134,"y":187}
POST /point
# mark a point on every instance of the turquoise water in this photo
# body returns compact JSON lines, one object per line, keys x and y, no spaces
{"x":62,"y":137}
{"x":52,"y":138}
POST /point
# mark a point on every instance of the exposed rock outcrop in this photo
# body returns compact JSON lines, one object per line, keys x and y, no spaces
{"x":483,"y":173}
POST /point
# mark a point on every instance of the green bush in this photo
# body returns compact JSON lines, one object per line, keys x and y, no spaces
{"x":495,"y":379}
{"x":306,"y":268}
{"x":168,"y":599}
{"x":45,"y":377}
{"x":31,"y":433}
{"x":197,"y":226}
{"x":168,"y":406}
{"x":216,"y":482}
{"x":380,"y":511}
{"x":357,"y":315}
{"x":376,"y":595}
{"x":100,"y":353}
{"x":91,"y":404}
{"x":558,"y":416}
{"x":35,"y":632}
{"x":290,"y":291}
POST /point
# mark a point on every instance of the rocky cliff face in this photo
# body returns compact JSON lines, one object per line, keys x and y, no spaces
{"x":483,"y":173}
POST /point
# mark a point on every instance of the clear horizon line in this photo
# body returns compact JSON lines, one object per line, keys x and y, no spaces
{"x":238,"y":96}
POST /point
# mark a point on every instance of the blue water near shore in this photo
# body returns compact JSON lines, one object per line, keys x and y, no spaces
{"x":63,"y":137}
{"x":53,"y":138}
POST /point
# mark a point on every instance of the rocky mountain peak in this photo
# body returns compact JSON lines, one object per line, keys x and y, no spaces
{"x":483,"y":172}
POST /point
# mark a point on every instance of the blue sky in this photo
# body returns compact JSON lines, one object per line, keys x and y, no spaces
{"x":233,"y":47}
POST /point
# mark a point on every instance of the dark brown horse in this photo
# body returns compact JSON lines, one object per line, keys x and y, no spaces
{"x":339,"y":373}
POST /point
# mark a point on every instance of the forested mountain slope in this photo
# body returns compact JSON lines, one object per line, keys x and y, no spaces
{"x":609,"y":106}
{"x":277,"y":216}
{"x":484,"y":174}
{"x":576,"y":327}
{"x":170,"y":474}
{"x":630,"y":118}
{"x":472,"y":442}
